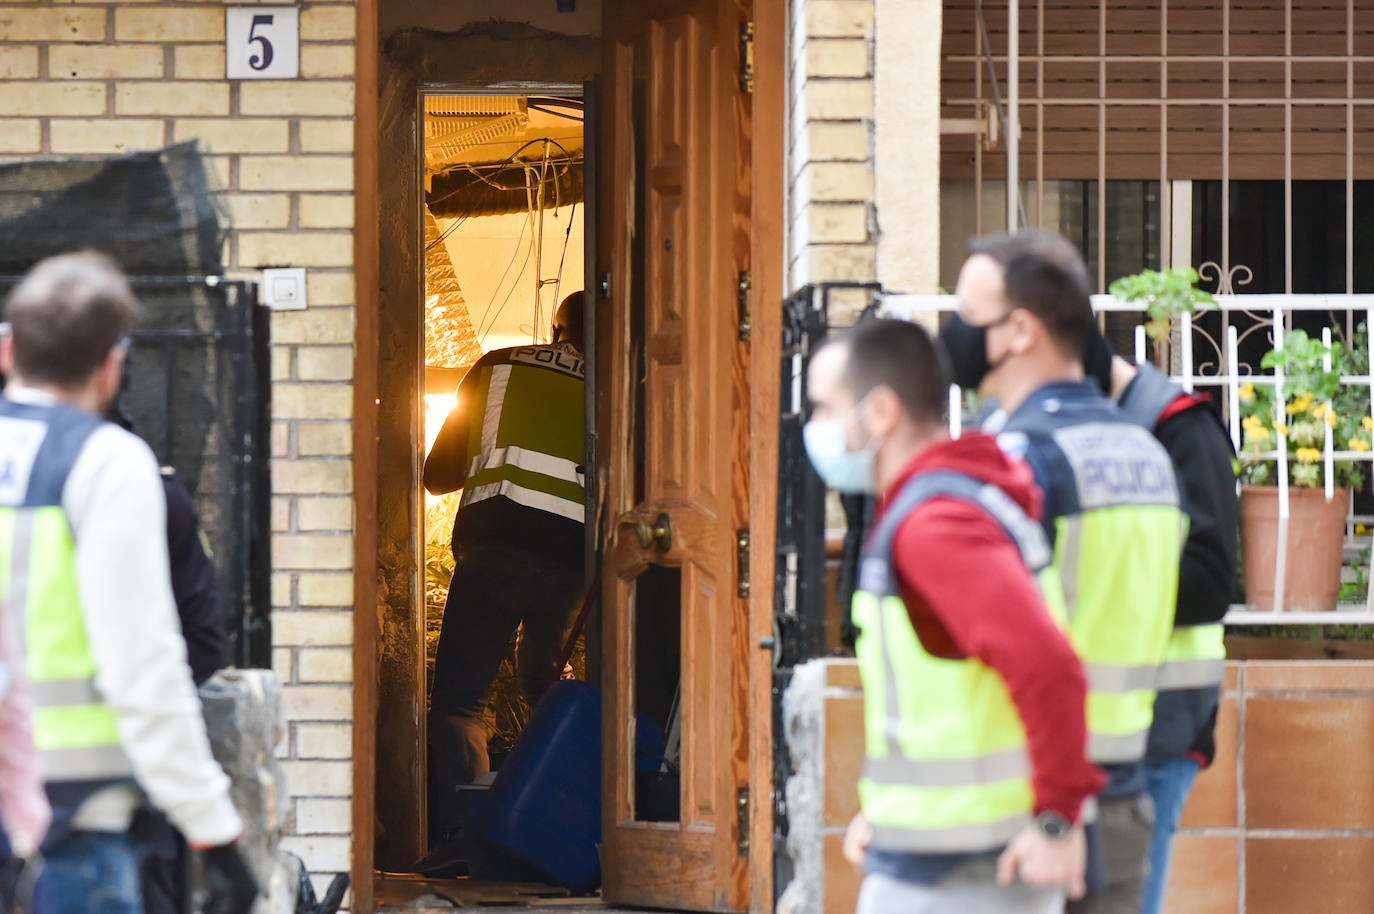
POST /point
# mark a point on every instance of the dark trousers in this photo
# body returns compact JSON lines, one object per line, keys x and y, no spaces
{"x":163,"y":870}
{"x":495,"y":589}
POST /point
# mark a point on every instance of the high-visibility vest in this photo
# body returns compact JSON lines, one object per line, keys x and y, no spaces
{"x":947,"y":767}
{"x":74,"y":728}
{"x":1118,"y":541}
{"x":529,"y":444}
{"x":1196,"y":656}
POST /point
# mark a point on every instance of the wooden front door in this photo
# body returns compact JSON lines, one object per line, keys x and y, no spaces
{"x":673,"y":237}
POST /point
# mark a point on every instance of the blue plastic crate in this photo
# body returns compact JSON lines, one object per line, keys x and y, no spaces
{"x":544,"y":808}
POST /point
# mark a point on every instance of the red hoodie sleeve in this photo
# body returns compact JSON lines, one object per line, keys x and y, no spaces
{"x":960,"y":566}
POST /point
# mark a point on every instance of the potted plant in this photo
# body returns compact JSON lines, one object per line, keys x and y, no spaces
{"x":1313,"y":404}
{"x":1165,"y":294}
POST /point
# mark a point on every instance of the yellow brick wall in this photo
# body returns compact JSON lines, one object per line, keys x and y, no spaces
{"x":80,"y":79}
{"x":830,"y":161}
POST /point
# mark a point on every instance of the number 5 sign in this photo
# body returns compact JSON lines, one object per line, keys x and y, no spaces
{"x":262,"y":42}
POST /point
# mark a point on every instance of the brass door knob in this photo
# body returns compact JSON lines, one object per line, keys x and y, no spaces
{"x":658,"y":535}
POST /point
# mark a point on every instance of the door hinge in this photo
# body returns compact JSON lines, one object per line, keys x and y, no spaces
{"x":746,"y":57}
{"x":746,"y":305}
{"x":742,"y":821}
{"x":742,"y":560}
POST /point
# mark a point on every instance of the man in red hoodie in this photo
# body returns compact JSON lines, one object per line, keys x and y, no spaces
{"x":977,"y":768}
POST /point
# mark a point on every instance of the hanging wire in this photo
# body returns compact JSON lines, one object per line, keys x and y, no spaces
{"x":515,"y":285}
{"x":491,"y":304}
{"x":567,"y":239}
{"x":549,"y":168}
{"x":550,"y":110}
{"x":446,"y":233}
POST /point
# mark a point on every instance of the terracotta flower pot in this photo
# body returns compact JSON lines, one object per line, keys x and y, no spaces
{"x":1316,"y":535}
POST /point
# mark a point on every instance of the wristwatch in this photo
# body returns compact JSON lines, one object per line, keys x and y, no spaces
{"x":1052,"y":825}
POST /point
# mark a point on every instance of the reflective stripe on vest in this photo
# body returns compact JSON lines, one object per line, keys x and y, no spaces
{"x":531,"y":439}
{"x":1196,"y":658}
{"x":947,"y":767}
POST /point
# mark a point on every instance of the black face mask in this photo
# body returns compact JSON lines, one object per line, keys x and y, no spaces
{"x":967,"y":348}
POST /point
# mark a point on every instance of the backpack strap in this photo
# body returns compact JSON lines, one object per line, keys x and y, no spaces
{"x":875,"y":575}
{"x":1148,"y":396}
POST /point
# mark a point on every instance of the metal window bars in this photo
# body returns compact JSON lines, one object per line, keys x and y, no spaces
{"x":1225,"y":375}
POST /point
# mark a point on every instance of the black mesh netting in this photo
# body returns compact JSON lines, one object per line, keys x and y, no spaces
{"x":197,"y":376}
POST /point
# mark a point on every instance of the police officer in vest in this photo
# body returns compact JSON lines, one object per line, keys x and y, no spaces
{"x":977,"y":768}
{"x":1182,"y":736}
{"x":1111,"y":514}
{"x":514,"y":443}
{"x":83,"y":557}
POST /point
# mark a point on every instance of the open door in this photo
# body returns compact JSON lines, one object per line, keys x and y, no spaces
{"x":673,"y":240}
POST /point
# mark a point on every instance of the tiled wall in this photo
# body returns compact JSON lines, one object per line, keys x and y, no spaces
{"x":90,"y":78}
{"x":1282,"y":823}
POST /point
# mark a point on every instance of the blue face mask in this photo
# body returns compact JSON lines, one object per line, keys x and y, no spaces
{"x":845,"y":471}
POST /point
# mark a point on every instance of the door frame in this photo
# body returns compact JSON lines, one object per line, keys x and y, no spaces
{"x":768,"y":217}
{"x":366,"y":301}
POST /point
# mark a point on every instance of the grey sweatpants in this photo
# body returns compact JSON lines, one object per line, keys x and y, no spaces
{"x":965,"y":891}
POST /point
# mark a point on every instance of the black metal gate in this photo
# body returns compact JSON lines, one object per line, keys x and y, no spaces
{"x":197,"y":389}
{"x":799,"y":595}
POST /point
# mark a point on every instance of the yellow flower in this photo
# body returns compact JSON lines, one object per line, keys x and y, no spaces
{"x":1368,"y":423}
{"x":1321,"y":409}
{"x":1281,"y":428}
{"x":1309,"y":455}
{"x":1246,"y":393}
{"x":1359,"y":444}
{"x":1300,"y":405}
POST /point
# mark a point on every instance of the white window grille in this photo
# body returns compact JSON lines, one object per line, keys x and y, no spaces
{"x":1203,"y":362}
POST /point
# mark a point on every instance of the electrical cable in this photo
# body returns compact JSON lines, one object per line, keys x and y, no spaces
{"x":446,"y":233}
{"x":567,"y":239}
{"x":491,"y":304}
{"x":513,"y":287}
{"x":555,"y":101}
{"x":554,"y":113}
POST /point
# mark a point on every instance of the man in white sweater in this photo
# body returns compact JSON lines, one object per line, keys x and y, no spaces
{"x":83,"y":563}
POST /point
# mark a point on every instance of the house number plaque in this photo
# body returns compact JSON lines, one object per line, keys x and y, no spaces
{"x":262,"y":42}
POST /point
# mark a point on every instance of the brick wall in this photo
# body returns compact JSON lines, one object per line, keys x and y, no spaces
{"x":82,"y":79}
{"x":830,"y":155}
{"x":864,"y":145}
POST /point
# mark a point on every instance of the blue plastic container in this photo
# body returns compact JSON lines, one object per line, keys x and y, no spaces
{"x":544,"y":808}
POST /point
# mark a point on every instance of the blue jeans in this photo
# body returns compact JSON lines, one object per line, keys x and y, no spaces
{"x":90,"y":872}
{"x":1170,"y":784}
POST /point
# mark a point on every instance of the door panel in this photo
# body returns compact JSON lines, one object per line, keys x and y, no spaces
{"x":671,"y":433}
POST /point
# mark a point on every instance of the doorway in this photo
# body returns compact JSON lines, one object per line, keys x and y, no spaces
{"x":679,"y":828}
{"x":504,"y":217}
{"x":498,"y":226}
